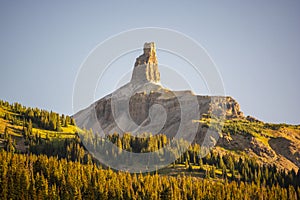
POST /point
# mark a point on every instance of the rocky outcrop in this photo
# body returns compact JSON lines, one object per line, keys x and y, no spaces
{"x":146,"y":66}
{"x":131,"y":105}
{"x":220,"y":106}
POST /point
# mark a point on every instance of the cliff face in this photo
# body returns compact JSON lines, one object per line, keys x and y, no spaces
{"x":141,"y":103}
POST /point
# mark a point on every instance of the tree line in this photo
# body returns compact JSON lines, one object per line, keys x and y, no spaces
{"x":41,"y":177}
{"x":36,"y":117}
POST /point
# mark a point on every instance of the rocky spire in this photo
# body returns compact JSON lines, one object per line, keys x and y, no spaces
{"x":146,"y":66}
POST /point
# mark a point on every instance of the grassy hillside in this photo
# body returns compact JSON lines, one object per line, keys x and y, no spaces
{"x":14,"y":119}
{"x":277,"y":144}
{"x":250,"y":156}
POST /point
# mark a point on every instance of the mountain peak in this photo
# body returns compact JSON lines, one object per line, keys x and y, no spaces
{"x":149,"y":55}
{"x":146,"y":66}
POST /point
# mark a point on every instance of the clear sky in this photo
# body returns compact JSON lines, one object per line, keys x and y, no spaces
{"x":255,"y":45}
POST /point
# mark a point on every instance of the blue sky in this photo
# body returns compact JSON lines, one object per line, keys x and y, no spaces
{"x":255,"y":45}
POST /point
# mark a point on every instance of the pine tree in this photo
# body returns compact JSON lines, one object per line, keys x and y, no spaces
{"x":190,"y":167}
{"x":220,"y":162}
{"x":9,"y":145}
{"x":72,"y":122}
{"x":6,"y":132}
{"x":207,"y":172}
{"x":224,"y":172}
{"x":213,"y":172}
{"x":200,"y":164}
{"x":58,"y":126}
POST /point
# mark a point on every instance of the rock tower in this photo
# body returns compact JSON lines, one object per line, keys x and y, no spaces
{"x":146,"y":66}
